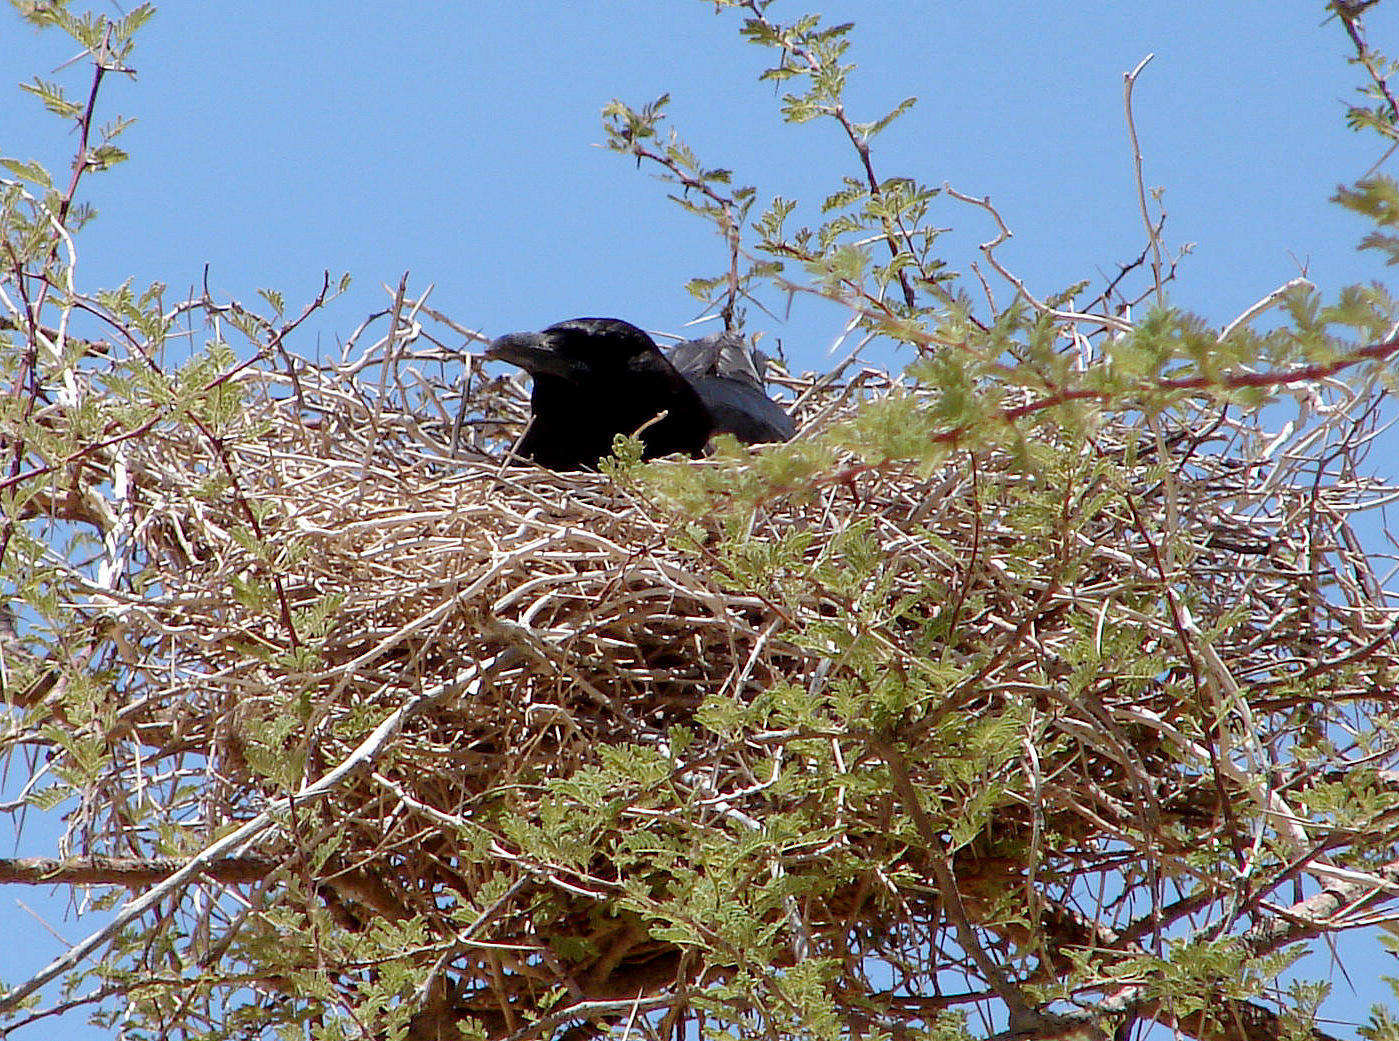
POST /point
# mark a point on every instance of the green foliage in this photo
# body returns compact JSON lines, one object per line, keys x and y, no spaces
{"x":834,"y":255}
{"x":275,"y":300}
{"x":626,"y":457}
{"x":51,"y":94}
{"x":1377,"y":199}
{"x":1383,"y":1024}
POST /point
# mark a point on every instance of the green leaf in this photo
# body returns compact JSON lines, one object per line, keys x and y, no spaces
{"x":51,"y":94}
{"x":28,"y":171}
{"x":868,"y":130}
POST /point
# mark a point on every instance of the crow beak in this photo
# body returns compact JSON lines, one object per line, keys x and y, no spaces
{"x":531,"y":352}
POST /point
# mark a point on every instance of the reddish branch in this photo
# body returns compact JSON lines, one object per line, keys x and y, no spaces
{"x":216,"y":444}
{"x":130,"y":872}
{"x":1349,"y":13}
{"x":727,"y":206}
{"x":33,"y":309}
{"x":1228,"y":381}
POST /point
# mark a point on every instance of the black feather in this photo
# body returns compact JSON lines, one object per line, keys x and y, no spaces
{"x":595,"y":378}
{"x":729,"y":373}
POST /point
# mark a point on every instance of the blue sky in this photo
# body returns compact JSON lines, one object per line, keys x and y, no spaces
{"x":459,"y":142}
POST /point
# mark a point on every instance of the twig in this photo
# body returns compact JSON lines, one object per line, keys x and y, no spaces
{"x":1254,"y":310}
{"x":1129,"y":80}
{"x":988,"y":249}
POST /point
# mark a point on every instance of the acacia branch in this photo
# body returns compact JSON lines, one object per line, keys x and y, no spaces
{"x":359,"y":760}
{"x":1350,"y":11}
{"x":131,"y":872}
{"x":729,"y":226}
{"x":861,"y":145}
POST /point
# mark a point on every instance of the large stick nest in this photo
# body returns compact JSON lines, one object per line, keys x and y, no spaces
{"x":322,"y":563}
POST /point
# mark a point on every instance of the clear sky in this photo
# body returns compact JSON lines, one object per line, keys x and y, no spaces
{"x":458,"y":142}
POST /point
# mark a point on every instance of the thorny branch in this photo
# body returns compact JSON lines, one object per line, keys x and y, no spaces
{"x":729,"y":208}
{"x":897,"y":237}
{"x":1350,"y":12}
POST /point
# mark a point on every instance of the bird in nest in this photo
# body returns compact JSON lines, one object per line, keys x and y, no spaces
{"x":595,"y":378}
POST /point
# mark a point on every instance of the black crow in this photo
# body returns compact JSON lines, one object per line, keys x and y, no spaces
{"x":595,"y":378}
{"x":728,"y":373}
